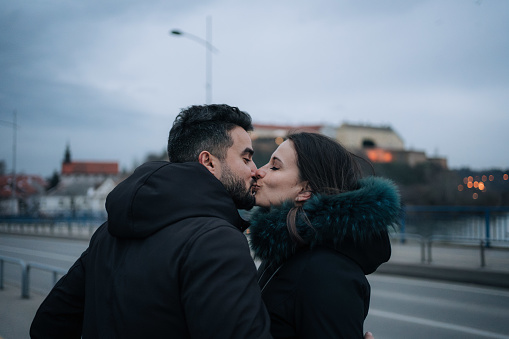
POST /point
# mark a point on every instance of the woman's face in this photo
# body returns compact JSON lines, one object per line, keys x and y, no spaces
{"x":279,"y":179}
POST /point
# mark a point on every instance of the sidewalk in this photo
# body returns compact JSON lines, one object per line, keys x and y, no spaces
{"x":457,"y":264}
{"x":16,"y":314}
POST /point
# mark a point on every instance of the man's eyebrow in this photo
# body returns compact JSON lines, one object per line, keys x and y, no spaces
{"x":249,"y":151}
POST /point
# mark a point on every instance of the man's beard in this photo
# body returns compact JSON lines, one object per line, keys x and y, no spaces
{"x":242,"y":196}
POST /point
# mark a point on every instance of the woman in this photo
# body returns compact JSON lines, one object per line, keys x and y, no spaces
{"x":320,"y":230}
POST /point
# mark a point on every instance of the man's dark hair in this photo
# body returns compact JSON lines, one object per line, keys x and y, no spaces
{"x":204,"y":128}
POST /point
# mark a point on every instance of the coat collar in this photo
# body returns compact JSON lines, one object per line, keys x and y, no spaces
{"x":349,"y":222}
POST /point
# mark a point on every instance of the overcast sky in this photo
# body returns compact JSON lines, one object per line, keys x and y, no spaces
{"x":107,"y":78}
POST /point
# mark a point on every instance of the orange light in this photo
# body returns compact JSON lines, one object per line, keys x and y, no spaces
{"x":470,"y":179}
{"x":476,"y":184}
{"x":481,"y":186}
{"x":475,"y":196}
{"x":492,"y":177}
{"x":465,"y":180}
{"x":506,"y":176}
{"x":484,"y":178}
{"x":460,"y":188}
{"x":470,"y":185}
{"x":279,"y":140}
{"x":379,"y":155}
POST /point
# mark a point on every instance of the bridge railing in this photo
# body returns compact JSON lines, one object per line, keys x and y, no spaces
{"x":58,"y":227}
{"x":426,"y":244}
{"x":25,"y":268}
{"x":490,"y":223}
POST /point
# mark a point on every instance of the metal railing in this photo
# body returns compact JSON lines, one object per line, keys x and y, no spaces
{"x":426,"y":244}
{"x":57,"y":227}
{"x":487,"y":222}
{"x":25,"y":273}
{"x":403,"y":237}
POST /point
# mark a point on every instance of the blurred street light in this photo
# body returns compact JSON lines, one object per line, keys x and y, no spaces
{"x":209,"y":48}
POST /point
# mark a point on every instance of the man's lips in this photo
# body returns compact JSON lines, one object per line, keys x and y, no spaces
{"x":254,"y":188}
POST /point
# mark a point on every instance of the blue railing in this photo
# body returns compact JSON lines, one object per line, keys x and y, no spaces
{"x":475,"y":222}
{"x":57,"y":226}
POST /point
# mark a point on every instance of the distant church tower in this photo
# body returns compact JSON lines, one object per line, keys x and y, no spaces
{"x":67,"y":156}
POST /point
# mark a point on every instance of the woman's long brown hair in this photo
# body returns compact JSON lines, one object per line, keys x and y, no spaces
{"x":328,"y":169}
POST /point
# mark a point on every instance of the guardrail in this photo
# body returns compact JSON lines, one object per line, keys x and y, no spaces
{"x":72,"y":228}
{"x":403,"y":237}
{"x":25,"y":273}
{"x":490,"y":221}
{"x":427,"y":243}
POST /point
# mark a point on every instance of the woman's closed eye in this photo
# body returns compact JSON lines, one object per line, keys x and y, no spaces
{"x":274,"y":168}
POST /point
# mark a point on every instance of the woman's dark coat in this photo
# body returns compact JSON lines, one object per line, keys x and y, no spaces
{"x":320,"y":290}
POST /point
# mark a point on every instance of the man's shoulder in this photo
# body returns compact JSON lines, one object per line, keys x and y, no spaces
{"x":205,"y":234}
{"x":205,"y":225}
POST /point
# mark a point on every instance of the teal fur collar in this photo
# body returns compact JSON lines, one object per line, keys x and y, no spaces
{"x":357,"y":217}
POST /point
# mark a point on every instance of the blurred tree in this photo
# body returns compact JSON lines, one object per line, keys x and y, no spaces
{"x":156,"y":156}
{"x":53,"y":181}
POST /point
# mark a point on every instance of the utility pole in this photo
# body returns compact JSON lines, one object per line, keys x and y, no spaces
{"x":14,"y":139}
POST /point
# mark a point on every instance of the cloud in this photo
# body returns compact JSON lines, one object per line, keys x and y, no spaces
{"x":108,"y":78}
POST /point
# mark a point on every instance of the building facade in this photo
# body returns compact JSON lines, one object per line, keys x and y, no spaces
{"x":379,"y":144}
{"x":82,"y":189}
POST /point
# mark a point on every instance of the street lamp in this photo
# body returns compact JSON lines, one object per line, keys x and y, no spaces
{"x":209,"y":48}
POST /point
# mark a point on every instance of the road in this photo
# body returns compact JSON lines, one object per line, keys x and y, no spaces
{"x":400,"y":307}
{"x":412,"y":308}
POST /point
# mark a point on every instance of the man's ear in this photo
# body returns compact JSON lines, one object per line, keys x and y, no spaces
{"x":304,"y":194}
{"x":209,"y":161}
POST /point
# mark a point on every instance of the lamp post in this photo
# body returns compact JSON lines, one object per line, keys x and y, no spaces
{"x":209,"y":48}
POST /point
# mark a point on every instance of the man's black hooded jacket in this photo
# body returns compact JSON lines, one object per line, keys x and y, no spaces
{"x":171,"y":261}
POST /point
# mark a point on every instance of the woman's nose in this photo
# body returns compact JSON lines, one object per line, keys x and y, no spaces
{"x":260,"y":173}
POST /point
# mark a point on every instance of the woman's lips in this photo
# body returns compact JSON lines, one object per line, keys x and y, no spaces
{"x":254,"y":189}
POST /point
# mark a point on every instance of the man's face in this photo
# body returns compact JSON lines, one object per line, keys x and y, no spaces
{"x":238,"y":169}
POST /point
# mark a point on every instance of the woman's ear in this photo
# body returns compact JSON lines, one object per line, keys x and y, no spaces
{"x":304,"y":194}
{"x":209,"y":161}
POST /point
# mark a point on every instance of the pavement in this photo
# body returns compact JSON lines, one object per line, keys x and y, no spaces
{"x":462,"y":264}
{"x":16,"y":314}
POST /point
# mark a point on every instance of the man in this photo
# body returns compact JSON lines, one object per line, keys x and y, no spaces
{"x":171,"y":261}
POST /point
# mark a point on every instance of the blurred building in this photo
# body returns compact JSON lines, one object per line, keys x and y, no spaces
{"x":18,"y":193}
{"x":82,"y":189}
{"x":380,"y":144}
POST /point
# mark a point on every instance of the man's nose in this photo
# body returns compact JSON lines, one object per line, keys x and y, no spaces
{"x":252,"y":165}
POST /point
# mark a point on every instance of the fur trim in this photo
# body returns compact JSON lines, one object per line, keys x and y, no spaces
{"x":356,"y":216}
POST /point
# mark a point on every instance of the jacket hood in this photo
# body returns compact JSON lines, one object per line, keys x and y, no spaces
{"x":160,"y":193}
{"x":354,"y":223}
